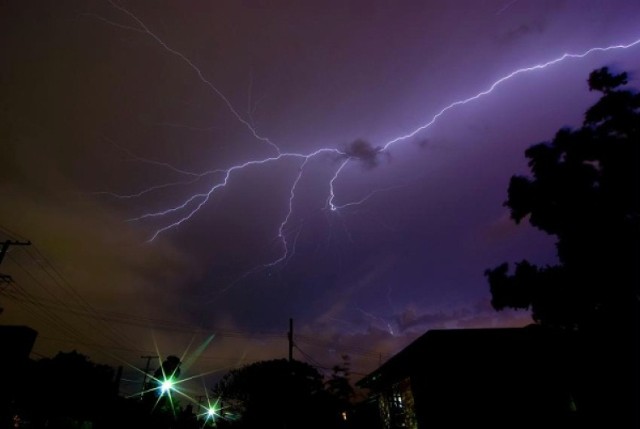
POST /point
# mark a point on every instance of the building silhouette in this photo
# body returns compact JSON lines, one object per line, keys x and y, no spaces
{"x":511,"y":377}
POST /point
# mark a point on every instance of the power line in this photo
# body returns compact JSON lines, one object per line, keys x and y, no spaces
{"x":56,"y":298}
{"x":48,"y":317}
{"x":58,"y":280}
{"x":66,"y":285}
{"x":7,"y":243}
{"x":311,"y":359}
{"x":352,"y":350}
{"x":145,"y":322}
{"x":83,"y":309}
{"x":3,"y":251}
{"x":12,"y":234}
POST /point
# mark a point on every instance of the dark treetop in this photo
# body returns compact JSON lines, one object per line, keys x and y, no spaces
{"x":584,"y":190}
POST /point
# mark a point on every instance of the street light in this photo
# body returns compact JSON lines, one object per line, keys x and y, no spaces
{"x":166,"y":386}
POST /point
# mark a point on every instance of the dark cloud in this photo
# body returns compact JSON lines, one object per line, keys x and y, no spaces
{"x":521,"y":31}
{"x":363,"y":152}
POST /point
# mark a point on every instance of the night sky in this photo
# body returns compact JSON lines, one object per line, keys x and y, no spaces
{"x":114,"y":111}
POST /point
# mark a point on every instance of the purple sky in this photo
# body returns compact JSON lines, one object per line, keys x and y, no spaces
{"x":102,"y":99}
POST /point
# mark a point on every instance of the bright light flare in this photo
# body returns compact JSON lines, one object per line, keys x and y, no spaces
{"x":212,"y":411}
{"x":166,"y":386}
{"x":169,"y":386}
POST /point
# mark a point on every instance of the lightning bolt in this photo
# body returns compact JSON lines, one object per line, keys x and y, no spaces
{"x":386,"y":323}
{"x":143,"y":28}
{"x":285,"y":221}
{"x":332,"y":193}
{"x":506,"y":6}
{"x":205,"y":196}
{"x":195,"y":202}
{"x":366,"y":198}
{"x":196,"y":176}
{"x":500,"y":81}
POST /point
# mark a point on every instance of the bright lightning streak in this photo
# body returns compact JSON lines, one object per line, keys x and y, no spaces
{"x":159,"y":163}
{"x":367,"y":197}
{"x":196,"y":176}
{"x":295,"y":242}
{"x":203,"y":198}
{"x":206,"y":195}
{"x":148,"y":190}
{"x":379,"y":319}
{"x":502,"y":80}
{"x":115,"y":24}
{"x":332,"y":193}
{"x":285,"y":221}
{"x":203,"y":79}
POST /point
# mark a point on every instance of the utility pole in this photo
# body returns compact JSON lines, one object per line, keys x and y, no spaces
{"x":4,"y":278}
{"x":146,"y":371}
{"x":3,"y":251}
{"x":290,"y":336}
{"x":7,"y":243}
{"x":116,"y":381}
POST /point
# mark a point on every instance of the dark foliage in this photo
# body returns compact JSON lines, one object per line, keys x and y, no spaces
{"x":584,"y":189}
{"x":276,"y":394}
{"x":70,"y":391}
{"x":64,"y":391}
{"x":338,"y":384}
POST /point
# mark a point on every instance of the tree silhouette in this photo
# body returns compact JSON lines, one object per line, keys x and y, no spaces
{"x":338,"y":383}
{"x":67,"y":389}
{"x":276,"y":394}
{"x":584,"y":190}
